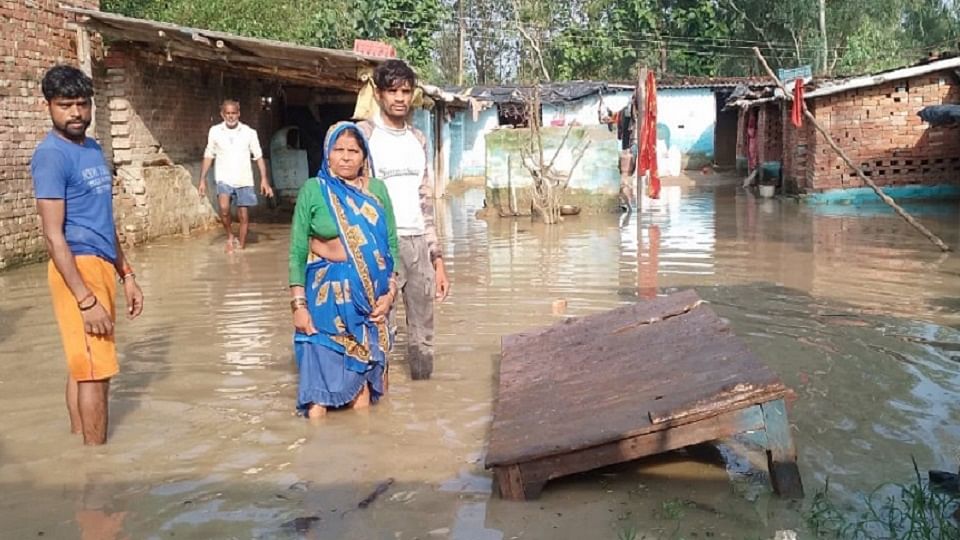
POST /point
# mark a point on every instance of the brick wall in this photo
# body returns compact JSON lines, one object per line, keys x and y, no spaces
{"x":159,"y":114}
{"x":742,"y":140}
{"x":36,"y":34}
{"x":879,"y":129}
{"x":770,"y":133}
{"x":795,"y":152}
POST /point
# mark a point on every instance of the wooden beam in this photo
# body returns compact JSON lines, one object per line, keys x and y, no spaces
{"x":521,"y":477}
{"x":781,"y":454}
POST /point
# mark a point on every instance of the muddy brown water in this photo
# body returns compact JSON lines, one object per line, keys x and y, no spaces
{"x":856,"y":312}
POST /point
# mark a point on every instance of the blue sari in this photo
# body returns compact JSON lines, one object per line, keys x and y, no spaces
{"x":349,"y":350}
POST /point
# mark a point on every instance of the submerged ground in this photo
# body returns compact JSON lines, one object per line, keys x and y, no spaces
{"x":852,"y":308}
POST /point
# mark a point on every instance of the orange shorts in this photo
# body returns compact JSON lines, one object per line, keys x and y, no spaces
{"x":89,"y":358}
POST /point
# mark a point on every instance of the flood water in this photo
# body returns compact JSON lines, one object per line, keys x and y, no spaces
{"x":857,"y":313}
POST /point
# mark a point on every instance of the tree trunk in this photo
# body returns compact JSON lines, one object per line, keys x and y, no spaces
{"x":823,"y":36}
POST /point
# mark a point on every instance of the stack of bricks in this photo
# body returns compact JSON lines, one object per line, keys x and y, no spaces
{"x":36,"y":34}
{"x":879,"y":129}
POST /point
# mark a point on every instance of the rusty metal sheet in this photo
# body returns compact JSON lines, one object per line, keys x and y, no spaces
{"x":633,"y":370}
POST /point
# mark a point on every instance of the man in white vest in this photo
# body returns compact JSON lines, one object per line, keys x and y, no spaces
{"x":399,"y":153}
{"x":233,"y":144}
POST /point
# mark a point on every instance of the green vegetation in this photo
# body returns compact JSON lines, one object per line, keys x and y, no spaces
{"x":525,"y":40}
{"x":892,"y":511}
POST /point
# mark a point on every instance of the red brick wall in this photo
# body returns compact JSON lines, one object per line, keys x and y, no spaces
{"x":173,"y":104}
{"x":879,"y":129}
{"x":34,"y":35}
{"x":796,"y":149}
{"x":159,"y":114}
{"x":770,"y":131}
{"x":742,"y":137}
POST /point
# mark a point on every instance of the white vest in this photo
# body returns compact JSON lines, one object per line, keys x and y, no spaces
{"x":399,"y":161}
{"x":232,"y":151}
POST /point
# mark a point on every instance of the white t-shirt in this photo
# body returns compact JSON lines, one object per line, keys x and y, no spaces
{"x":232,"y":150}
{"x":399,"y":161}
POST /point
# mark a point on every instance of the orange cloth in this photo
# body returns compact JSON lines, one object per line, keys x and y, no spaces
{"x":648,"y":139}
{"x":796,"y":115}
{"x":89,"y":358}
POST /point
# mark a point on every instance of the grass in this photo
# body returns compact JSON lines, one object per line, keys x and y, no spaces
{"x":892,"y":511}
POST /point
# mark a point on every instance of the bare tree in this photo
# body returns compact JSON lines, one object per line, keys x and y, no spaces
{"x":549,"y":183}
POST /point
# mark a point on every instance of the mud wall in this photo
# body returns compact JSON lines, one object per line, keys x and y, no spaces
{"x":36,"y":34}
{"x":879,"y":129}
{"x":595,"y":181}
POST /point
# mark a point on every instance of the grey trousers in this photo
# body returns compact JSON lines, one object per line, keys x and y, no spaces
{"x":417,"y":282}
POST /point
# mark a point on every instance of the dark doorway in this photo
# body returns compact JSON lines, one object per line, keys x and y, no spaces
{"x":725,"y":133}
{"x":313,"y":111}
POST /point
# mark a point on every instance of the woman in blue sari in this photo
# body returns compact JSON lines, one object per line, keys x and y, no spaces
{"x":342,"y":283}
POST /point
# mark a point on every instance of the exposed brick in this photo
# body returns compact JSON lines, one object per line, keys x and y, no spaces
{"x":39,"y":34}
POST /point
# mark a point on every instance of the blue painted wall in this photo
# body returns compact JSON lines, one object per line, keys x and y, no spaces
{"x":423,"y":120}
{"x":686,"y":119}
{"x":585,"y":111}
{"x":467,"y":142}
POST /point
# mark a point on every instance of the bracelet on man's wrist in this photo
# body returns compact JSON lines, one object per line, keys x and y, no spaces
{"x":85,"y":298}
{"x":91,"y":306}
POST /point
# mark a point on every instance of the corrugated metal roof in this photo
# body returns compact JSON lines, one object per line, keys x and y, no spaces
{"x":827,"y":88}
{"x":311,"y":65}
{"x":676,"y":81}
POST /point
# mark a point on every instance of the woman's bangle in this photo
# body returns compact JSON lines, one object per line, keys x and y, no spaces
{"x":91,"y":306}
{"x":298,"y":302}
{"x":126,"y":276}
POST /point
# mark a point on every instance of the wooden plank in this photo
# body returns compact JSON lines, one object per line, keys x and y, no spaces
{"x":513,"y":486}
{"x":590,"y":381}
{"x":538,"y":472}
{"x":781,"y":454}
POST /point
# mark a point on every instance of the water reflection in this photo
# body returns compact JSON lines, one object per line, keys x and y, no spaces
{"x":856,"y":312}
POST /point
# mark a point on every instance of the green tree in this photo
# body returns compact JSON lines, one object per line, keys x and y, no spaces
{"x":410,"y":25}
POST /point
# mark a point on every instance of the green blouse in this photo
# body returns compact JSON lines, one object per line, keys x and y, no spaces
{"x":313,"y":218}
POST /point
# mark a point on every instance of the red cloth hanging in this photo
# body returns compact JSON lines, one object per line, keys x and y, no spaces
{"x":647,"y":160}
{"x":797,"y":113}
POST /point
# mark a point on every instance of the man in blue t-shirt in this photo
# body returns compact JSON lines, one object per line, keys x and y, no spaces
{"x":74,"y":190}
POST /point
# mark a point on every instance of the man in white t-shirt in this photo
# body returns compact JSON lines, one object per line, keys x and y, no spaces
{"x":232,"y":145}
{"x":399,"y":153}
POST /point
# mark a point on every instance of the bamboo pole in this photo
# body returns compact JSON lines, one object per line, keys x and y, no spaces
{"x":846,"y":159}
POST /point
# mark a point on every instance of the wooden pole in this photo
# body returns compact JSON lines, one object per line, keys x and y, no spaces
{"x":639,"y":116}
{"x":461,"y":44}
{"x":846,"y":159}
{"x":823,"y":35}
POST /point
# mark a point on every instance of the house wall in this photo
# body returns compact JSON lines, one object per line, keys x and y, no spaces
{"x":35,"y":35}
{"x":595,"y":181}
{"x":686,"y":118}
{"x":470,"y":140}
{"x":879,"y":129}
{"x":796,"y":150}
{"x":159,"y":116}
{"x":584,"y":112}
{"x":770,"y":142}
{"x":742,"y":162}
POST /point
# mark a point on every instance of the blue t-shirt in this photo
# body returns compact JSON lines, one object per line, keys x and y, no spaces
{"x":79,"y":175}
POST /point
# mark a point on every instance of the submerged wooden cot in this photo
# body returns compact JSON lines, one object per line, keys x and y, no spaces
{"x":632,"y":382}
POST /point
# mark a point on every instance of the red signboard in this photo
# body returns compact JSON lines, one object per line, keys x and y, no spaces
{"x":374,"y":48}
